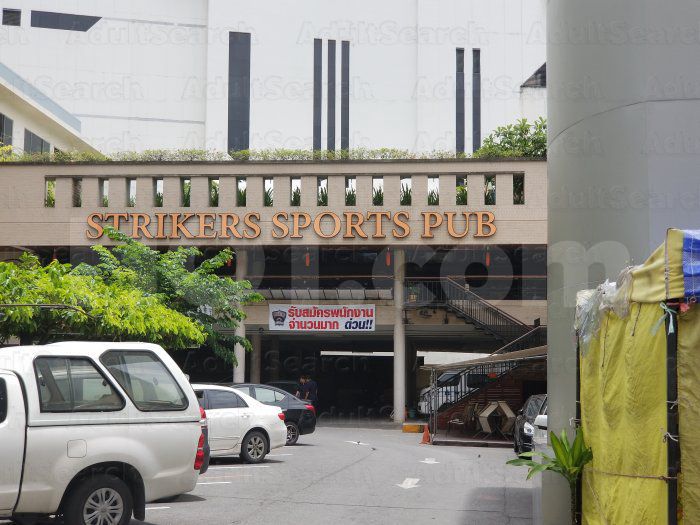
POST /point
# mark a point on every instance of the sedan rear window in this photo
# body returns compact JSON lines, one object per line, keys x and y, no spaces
{"x":146,"y":380}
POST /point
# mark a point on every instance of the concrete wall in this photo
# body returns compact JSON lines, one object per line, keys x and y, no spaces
{"x":624,"y":127}
{"x":28,"y":222}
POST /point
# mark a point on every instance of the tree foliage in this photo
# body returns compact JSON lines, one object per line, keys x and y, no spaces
{"x":522,"y":139}
{"x":212,"y":301}
{"x":114,"y":311}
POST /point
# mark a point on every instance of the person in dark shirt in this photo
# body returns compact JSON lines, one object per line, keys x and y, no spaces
{"x":309,"y":390}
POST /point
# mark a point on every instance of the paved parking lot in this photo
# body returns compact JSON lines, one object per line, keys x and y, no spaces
{"x":357,"y":476}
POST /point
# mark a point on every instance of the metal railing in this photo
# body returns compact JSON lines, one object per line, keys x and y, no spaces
{"x":455,"y":296}
{"x":471,"y":380}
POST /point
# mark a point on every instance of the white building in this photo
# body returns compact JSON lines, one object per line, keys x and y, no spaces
{"x":237,"y":74}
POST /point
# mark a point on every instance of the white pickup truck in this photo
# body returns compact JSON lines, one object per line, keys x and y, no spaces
{"x":92,"y":431}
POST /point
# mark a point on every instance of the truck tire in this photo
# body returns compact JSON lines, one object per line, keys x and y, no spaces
{"x":292,"y":433}
{"x":98,"y":496}
{"x":254,"y":447}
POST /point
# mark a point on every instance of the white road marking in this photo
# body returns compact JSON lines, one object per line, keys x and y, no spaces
{"x":214,"y":483}
{"x":157,"y":508}
{"x":358,"y":443}
{"x":275,"y":455}
{"x":239,"y":466}
{"x":409,"y":483}
{"x":430,"y":461}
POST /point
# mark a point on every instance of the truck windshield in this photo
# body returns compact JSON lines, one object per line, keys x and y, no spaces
{"x":146,"y":380}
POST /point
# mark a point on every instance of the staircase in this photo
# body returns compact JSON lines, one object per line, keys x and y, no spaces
{"x":456,"y":297}
{"x":471,"y":381}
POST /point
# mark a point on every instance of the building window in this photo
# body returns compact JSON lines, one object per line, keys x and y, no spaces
{"x":433,"y":191}
{"x":350,"y":191}
{"x":406,"y":191}
{"x":5,"y":130}
{"x":322,"y":191}
{"x":241,"y":190}
{"x":77,"y":192}
{"x":66,"y":21}
{"x":185,"y":192}
{"x":104,"y":192}
{"x":295,"y":197}
{"x":11,"y":17}
{"x":158,"y":193}
{"x":35,"y":144}
{"x":131,"y":192}
{"x":462,"y":194}
{"x":50,"y":193}
{"x":213,"y":192}
{"x":490,"y":189}
{"x":378,"y":191}
{"x":519,"y":188}
{"x":268,"y":192}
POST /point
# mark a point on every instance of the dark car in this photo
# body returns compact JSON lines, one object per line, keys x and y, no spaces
{"x":524,"y":423}
{"x":290,"y":386}
{"x":299,"y":416}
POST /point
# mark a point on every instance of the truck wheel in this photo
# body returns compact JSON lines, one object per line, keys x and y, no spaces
{"x":99,"y":500}
{"x":292,"y":433}
{"x":254,"y":447}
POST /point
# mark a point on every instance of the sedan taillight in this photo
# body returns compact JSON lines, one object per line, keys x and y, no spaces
{"x":202,"y":417}
{"x":199,"y":458}
{"x":312,"y":408}
{"x":281,"y":416}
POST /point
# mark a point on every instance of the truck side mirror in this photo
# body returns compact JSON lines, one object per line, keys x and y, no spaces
{"x":541,"y":421}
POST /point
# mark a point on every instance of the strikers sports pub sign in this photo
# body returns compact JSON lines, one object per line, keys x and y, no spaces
{"x":292,"y":225}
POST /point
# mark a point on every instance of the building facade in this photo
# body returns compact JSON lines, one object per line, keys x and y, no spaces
{"x":420,"y":75}
{"x":369,"y":268}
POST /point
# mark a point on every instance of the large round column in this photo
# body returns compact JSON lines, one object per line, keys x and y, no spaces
{"x":623,"y":97}
{"x":241,"y":270}
{"x":399,"y":337}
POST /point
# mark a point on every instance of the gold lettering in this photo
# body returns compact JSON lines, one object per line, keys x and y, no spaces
{"x":488,"y":222}
{"x":179,"y":225}
{"x":429,"y":225}
{"x":160,"y":230}
{"x":95,"y":226}
{"x":350,"y":225}
{"x":378,"y":225}
{"x":298,"y":225}
{"x":205,"y":225}
{"x":402,"y":224}
{"x":141,"y":229}
{"x":248,"y":220}
{"x":117,"y":217}
{"x":336,"y":225}
{"x":227,"y":226}
{"x":451,"y":226}
{"x":277,"y":223}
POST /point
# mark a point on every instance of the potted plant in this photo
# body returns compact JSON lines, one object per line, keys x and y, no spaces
{"x":568,"y":461}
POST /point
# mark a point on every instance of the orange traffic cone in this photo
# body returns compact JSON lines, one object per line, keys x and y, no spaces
{"x":426,"y":436}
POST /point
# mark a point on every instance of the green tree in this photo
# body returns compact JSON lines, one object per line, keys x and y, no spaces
{"x":212,"y":301}
{"x":522,"y":139}
{"x":89,"y":308}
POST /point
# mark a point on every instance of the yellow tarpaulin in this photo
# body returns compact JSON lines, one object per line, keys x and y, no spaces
{"x":623,"y":407}
{"x":661,"y":276}
{"x":689,"y":412}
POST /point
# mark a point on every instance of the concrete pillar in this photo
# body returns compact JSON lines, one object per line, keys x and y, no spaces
{"x":623,"y":126}
{"x":255,"y":357}
{"x":241,"y":270}
{"x":399,"y":337}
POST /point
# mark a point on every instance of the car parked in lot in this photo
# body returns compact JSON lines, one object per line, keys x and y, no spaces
{"x":300,"y":416}
{"x":93,"y":431}
{"x":524,"y":428}
{"x":240,"y":425}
